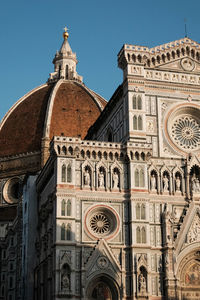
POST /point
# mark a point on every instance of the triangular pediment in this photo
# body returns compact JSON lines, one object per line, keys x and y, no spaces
{"x":184,"y":64}
{"x":190,"y":229}
{"x":103,"y":260}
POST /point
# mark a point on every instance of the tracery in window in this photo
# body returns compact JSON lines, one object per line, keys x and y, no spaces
{"x":137,"y":102}
{"x":137,"y":123}
{"x":66,"y":232}
{"x":140,"y":211}
{"x":141,"y":235}
{"x":186,"y":132}
{"x":139,"y":177}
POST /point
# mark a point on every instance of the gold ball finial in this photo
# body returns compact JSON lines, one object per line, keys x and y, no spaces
{"x":65,"y":33}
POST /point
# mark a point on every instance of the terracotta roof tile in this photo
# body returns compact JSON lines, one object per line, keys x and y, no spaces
{"x":23,"y":129}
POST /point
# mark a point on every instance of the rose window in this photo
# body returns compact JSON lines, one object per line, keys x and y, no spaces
{"x":185,"y":132}
{"x":100,"y":223}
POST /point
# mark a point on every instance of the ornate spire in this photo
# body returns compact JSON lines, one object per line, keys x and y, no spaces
{"x":65,"y":62}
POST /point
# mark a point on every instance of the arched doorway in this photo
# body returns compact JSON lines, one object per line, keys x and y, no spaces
{"x":102,"y":288}
{"x":189,"y":285}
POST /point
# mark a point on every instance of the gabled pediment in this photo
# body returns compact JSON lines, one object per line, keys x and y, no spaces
{"x":184,"y":64}
{"x":190,"y":229}
{"x":103,"y":260}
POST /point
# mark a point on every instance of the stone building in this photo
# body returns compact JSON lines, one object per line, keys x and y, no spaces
{"x":106,"y":194}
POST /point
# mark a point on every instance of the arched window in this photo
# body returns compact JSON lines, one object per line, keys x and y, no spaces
{"x":69,"y":173}
{"x":63,"y":175}
{"x":138,"y":238}
{"x":143,"y":212}
{"x":135,"y":127}
{"x":69,"y":208}
{"x":137,"y":178}
{"x":63,"y":232}
{"x":68,"y":232}
{"x":134,"y":102}
{"x":143,"y":235}
{"x":139,"y":102}
{"x":63,"y":208}
{"x":139,"y":123}
{"x":141,"y":178}
{"x":138,"y":211}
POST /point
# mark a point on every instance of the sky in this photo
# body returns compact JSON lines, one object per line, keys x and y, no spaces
{"x":31,"y":32}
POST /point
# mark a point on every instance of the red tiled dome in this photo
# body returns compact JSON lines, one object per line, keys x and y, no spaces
{"x":63,"y":108}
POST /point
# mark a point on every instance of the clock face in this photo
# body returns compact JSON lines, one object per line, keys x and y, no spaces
{"x":11,"y":190}
{"x":183,"y":126}
{"x":187,"y":64}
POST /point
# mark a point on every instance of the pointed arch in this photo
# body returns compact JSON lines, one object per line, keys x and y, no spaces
{"x":138,"y":237}
{"x":63,"y":232}
{"x":139,"y":102}
{"x":143,"y":235}
{"x":69,"y":206}
{"x":134,"y":102}
{"x":137,"y":184}
{"x":68,"y":232}
{"x":63,"y":173}
{"x":141,"y":178}
{"x":135,"y":127}
{"x":140,"y":123}
{"x":69,"y":173}
{"x":143,"y":212}
{"x":63,"y":204}
{"x":138,"y":211}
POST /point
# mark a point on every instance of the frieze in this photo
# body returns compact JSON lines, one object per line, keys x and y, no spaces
{"x":172,"y":77}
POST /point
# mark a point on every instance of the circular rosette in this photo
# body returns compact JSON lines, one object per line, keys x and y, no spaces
{"x":102,"y":221}
{"x":183,"y":128}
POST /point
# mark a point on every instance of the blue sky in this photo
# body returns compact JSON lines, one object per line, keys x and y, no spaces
{"x":31,"y":32}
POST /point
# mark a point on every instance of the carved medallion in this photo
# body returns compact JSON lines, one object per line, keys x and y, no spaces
{"x":187,"y":64}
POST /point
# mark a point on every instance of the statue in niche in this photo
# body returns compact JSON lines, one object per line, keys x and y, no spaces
{"x":65,"y":281}
{"x":178,"y":183}
{"x":87,"y":178}
{"x":142,"y":283}
{"x":165,"y":183}
{"x":153,"y":182}
{"x":101,"y":179}
{"x":115,"y":180}
{"x":195,"y":184}
{"x":168,"y":222}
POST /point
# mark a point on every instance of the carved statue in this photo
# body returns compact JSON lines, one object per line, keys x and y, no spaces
{"x":142,"y":283}
{"x":65,"y":281}
{"x":101,"y":179}
{"x":87,"y":178}
{"x":165,"y":183}
{"x":195,"y":184}
{"x":153,"y":182}
{"x":115,"y":180}
{"x":178,"y":183}
{"x":168,"y":223}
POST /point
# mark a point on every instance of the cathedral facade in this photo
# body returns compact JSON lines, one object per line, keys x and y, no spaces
{"x":100,"y":200}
